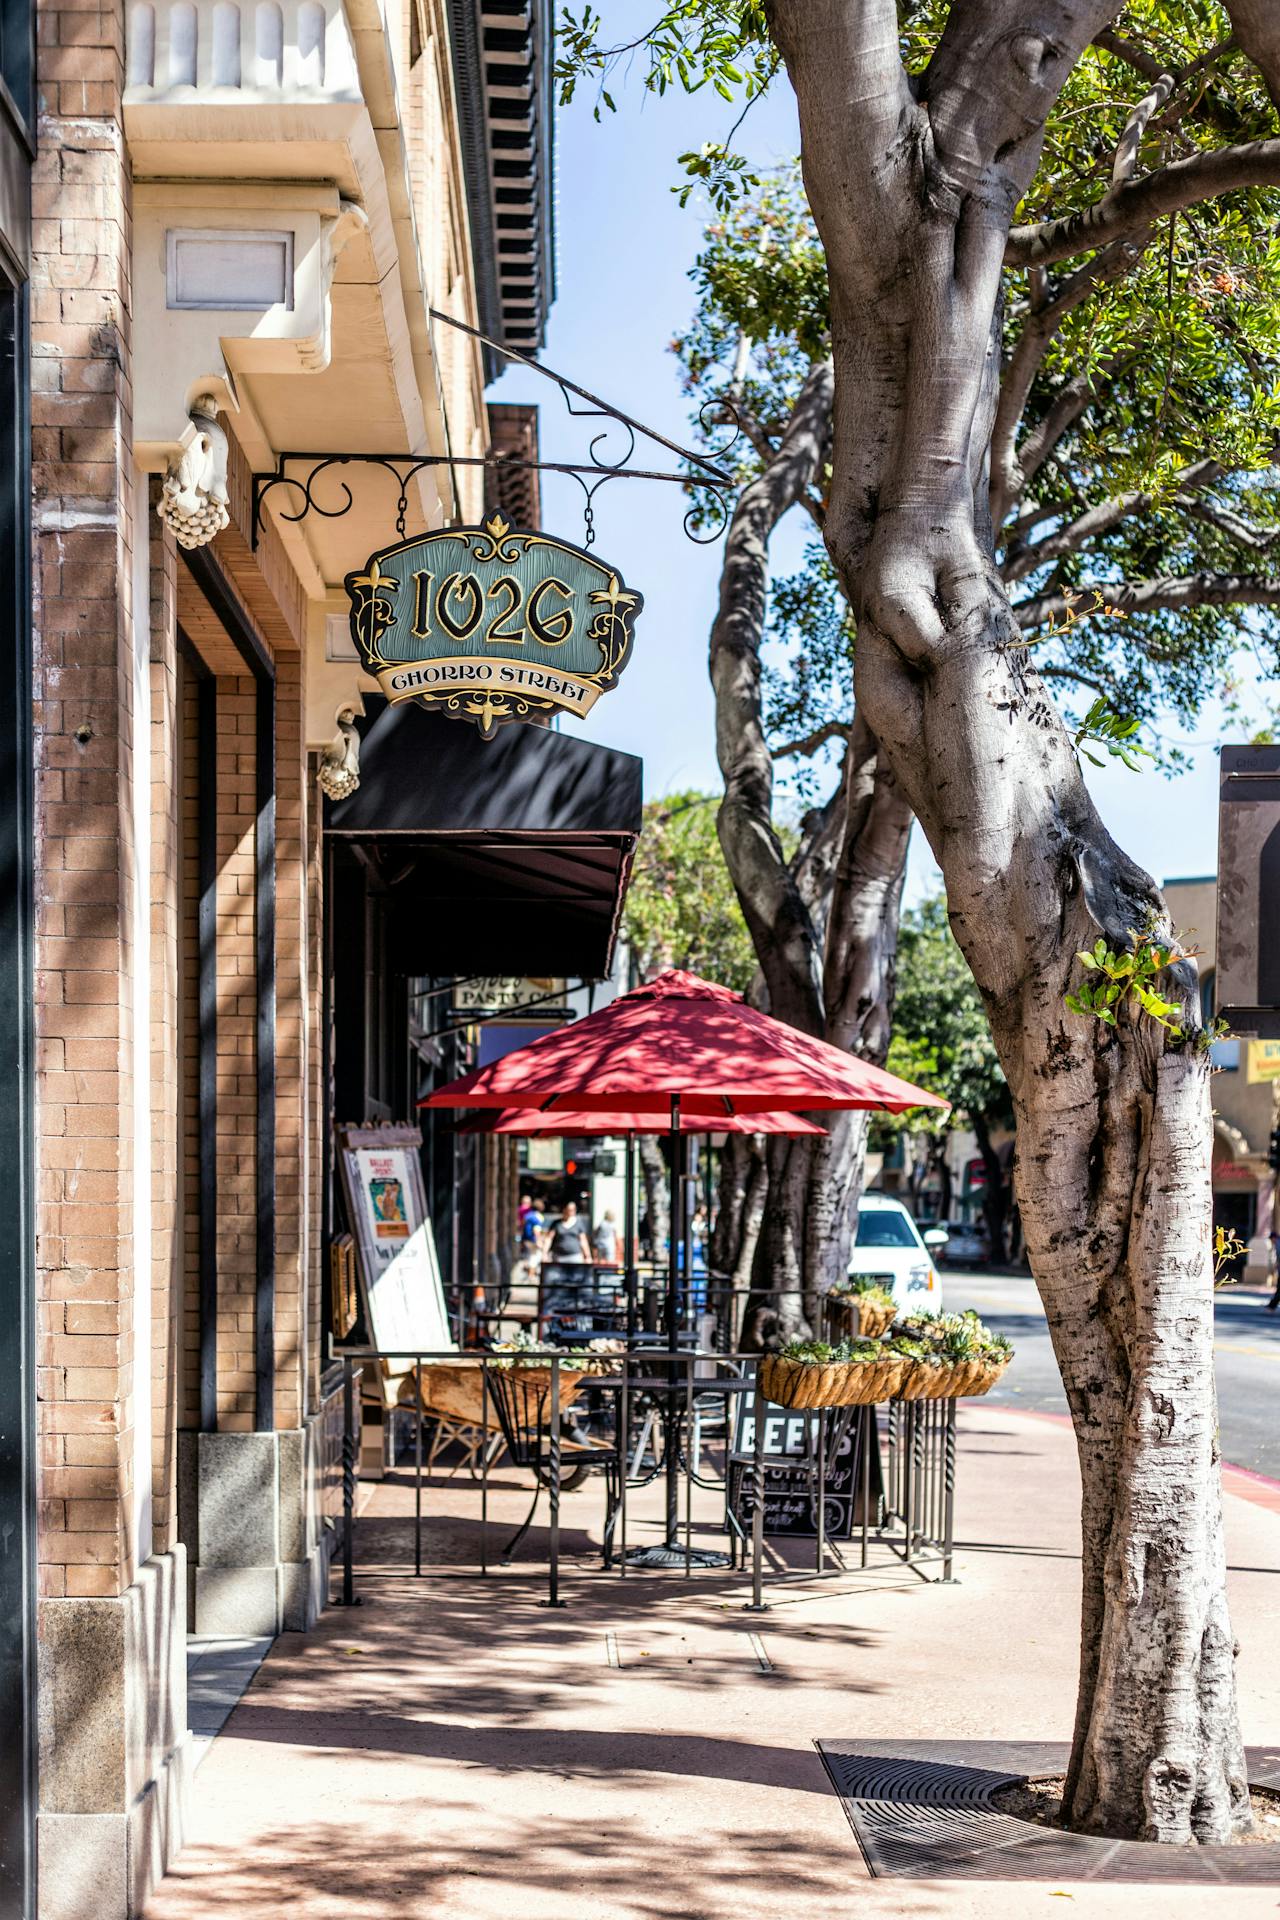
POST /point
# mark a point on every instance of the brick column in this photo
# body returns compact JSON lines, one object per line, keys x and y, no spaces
{"x":111,"y":1655}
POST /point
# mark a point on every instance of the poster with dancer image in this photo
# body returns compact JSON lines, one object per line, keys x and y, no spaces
{"x":402,"y":1292}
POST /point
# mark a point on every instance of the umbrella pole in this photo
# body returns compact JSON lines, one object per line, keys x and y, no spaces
{"x":673,"y":1322}
{"x":673,"y":1552}
{"x":631,"y":1277}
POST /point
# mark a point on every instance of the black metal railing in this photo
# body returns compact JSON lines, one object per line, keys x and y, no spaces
{"x":900,"y":1486}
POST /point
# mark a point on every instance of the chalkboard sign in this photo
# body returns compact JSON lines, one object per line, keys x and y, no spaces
{"x":791,"y":1490}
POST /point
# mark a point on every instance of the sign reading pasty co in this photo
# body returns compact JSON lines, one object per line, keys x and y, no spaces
{"x":490,"y":624}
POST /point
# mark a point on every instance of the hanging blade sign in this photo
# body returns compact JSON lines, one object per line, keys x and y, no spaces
{"x":491,"y":624}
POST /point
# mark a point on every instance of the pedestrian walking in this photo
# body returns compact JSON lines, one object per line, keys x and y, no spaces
{"x":566,"y":1238}
{"x":605,"y":1240}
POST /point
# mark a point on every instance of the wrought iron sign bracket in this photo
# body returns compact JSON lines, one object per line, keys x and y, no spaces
{"x":699,"y":472}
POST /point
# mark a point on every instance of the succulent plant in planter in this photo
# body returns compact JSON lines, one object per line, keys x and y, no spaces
{"x":949,"y":1355}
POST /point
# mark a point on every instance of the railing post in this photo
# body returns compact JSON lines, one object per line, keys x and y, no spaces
{"x":553,"y":1447}
{"x":757,"y":1511}
{"x":350,"y":1446}
{"x":417,"y":1466}
{"x":689,"y":1465}
{"x":822,"y":1490}
{"x":624,"y":1429}
{"x":949,"y":1482}
{"x":484,"y":1466}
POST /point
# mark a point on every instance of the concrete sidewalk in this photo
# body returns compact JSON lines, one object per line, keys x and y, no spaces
{"x":454,"y":1749}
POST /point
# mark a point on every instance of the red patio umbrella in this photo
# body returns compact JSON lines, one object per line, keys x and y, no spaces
{"x":681,"y":1042}
{"x":682,"y":1045}
{"x":527,"y":1121}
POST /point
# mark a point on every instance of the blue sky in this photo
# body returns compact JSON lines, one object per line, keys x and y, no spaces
{"x":624,"y":252}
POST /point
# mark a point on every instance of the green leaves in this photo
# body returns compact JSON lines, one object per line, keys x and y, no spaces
{"x":1114,"y":979}
{"x":1114,"y":732}
{"x":941,"y":1037}
{"x":681,"y":909}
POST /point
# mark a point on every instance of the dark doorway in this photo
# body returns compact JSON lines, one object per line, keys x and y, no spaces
{"x":1238,"y":1214}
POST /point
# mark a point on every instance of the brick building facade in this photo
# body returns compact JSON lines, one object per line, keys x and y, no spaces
{"x":185,"y":329}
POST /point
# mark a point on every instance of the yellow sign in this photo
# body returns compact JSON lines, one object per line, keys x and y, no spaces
{"x":1264,"y":1060}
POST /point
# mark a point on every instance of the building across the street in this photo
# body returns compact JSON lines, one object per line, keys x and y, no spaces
{"x":261,"y":238}
{"x":1244,"y":1095}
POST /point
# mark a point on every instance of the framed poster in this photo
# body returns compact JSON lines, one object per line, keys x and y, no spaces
{"x":400,"y":1283}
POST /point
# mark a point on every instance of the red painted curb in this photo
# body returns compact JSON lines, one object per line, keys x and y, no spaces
{"x":1267,"y":1492}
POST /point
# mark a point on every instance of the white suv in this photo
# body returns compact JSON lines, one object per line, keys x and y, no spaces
{"x":889,"y":1248}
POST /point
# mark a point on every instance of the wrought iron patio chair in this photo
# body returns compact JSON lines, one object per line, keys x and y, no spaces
{"x":534,"y":1432}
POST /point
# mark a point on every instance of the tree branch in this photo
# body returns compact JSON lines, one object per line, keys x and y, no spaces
{"x":1125,"y":164}
{"x":1129,"y":212}
{"x":1048,"y":671}
{"x":1098,"y":520}
{"x":1149,"y":596}
{"x":1037,"y":336}
{"x":777,"y":916}
{"x":1066,"y":409}
{"x":810,"y":743}
{"x":1254,"y":539}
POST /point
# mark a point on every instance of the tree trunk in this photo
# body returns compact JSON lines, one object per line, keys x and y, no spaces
{"x":814,"y":1184}
{"x":913,"y":194}
{"x":824,"y":928}
{"x":653,"y":1172}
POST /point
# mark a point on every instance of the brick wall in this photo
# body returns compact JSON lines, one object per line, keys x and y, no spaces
{"x":292,"y":1026}
{"x":188,"y":1389}
{"x":83,"y":723}
{"x":237,"y":1054}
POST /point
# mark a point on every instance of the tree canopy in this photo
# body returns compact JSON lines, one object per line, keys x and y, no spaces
{"x":941,"y":1035}
{"x":681,"y":909}
{"x":1141,"y":425}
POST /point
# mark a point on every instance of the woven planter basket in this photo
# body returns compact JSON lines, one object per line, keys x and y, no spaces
{"x":851,"y":1318}
{"x":872,"y":1320}
{"x":837,"y":1383}
{"x":453,"y":1389}
{"x":980,"y":1377}
{"x":951,"y":1380}
{"x":920,"y":1381}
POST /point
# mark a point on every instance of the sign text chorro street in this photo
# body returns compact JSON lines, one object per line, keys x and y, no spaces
{"x":491,"y":624}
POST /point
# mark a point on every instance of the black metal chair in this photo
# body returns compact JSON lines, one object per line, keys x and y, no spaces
{"x":536,"y":1438}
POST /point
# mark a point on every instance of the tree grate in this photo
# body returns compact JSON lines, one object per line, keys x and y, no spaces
{"x":921,"y":1810}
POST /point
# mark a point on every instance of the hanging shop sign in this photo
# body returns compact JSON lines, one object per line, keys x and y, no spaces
{"x":491,"y":624}
{"x":541,"y":999}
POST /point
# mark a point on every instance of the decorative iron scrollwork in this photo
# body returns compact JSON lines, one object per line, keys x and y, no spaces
{"x":699,"y":472}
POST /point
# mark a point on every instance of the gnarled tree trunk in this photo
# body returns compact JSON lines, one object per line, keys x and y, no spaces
{"x":825,"y":925}
{"x":913,"y":184}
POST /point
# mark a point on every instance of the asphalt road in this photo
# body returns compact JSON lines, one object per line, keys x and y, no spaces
{"x":1246,"y":1352}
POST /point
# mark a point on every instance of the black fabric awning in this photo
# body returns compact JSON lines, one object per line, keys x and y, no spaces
{"x":508,"y":855}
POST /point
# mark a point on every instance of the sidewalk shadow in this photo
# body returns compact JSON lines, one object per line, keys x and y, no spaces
{"x":512,"y":1865}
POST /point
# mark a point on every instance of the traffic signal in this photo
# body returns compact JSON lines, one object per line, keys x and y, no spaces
{"x":591,"y":1160}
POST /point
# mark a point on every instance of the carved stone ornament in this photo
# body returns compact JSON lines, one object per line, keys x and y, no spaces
{"x":339,"y":773}
{"x":194,"y":501}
